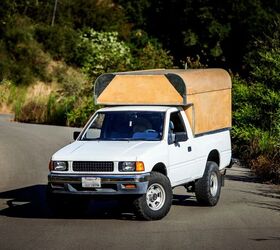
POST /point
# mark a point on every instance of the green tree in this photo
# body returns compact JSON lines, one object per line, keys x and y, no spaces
{"x":217,"y":31}
{"x":100,"y":52}
{"x":23,"y":59}
{"x":256,"y":131}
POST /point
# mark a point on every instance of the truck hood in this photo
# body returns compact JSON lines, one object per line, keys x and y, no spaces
{"x":105,"y":150}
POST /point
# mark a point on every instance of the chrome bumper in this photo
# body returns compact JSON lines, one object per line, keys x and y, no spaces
{"x":110,"y":184}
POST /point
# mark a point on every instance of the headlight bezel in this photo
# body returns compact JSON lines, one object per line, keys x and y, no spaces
{"x":131,"y":166}
{"x":59,"y":166}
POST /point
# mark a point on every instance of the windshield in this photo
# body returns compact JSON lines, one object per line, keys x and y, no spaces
{"x":125,"y":125}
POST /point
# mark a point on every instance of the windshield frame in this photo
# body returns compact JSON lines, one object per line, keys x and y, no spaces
{"x":93,"y":118}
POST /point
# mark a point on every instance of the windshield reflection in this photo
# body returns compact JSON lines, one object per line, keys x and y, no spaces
{"x":126,"y":126}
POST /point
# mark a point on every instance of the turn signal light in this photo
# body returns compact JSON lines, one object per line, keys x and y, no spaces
{"x":130,"y":186}
{"x":140,"y":166}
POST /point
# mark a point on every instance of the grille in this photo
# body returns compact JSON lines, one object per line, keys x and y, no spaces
{"x":93,"y":166}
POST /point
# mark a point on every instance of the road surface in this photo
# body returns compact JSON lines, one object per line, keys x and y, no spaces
{"x":247,"y":216}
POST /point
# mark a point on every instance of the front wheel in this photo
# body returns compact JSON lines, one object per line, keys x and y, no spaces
{"x":208,"y":188}
{"x":156,"y":203}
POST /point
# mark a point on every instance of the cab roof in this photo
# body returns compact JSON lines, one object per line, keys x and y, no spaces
{"x":136,"y":108}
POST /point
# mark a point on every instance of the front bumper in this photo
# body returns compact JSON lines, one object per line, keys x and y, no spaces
{"x":110,"y":184}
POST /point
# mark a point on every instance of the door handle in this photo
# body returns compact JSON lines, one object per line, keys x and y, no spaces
{"x":189,"y":149}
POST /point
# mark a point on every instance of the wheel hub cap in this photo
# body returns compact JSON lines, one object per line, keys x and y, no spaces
{"x":155,"y":197}
{"x":213,"y":184}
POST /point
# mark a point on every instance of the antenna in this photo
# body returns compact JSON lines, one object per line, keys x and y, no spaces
{"x":54,"y":12}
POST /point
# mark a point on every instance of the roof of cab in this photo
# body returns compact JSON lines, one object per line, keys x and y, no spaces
{"x":136,"y":108}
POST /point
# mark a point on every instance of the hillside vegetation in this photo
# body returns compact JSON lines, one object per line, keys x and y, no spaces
{"x":49,"y":60}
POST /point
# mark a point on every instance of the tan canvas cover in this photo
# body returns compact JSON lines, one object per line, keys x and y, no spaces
{"x":205,"y":94}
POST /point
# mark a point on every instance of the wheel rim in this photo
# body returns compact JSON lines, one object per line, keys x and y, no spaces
{"x":155,"y":197}
{"x":213,"y":184}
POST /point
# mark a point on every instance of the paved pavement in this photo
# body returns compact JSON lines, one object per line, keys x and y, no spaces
{"x":247,"y":216}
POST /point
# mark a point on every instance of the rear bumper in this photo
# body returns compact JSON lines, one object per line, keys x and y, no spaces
{"x":110,"y":184}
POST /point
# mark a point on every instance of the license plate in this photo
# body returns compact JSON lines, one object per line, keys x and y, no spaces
{"x":91,"y":182}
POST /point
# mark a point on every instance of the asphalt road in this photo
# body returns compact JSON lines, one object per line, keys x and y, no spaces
{"x":247,"y":216}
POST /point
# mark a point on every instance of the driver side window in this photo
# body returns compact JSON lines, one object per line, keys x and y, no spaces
{"x":176,"y":125}
{"x":94,"y":130}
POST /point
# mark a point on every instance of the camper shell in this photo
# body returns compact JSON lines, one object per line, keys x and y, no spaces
{"x":205,"y":94}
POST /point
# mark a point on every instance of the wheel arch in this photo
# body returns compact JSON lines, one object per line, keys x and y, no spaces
{"x":214,"y":156}
{"x":160,"y":168}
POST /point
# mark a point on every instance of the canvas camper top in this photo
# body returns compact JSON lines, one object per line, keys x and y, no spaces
{"x":205,"y":94}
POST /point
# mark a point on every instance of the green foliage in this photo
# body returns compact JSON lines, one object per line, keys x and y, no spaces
{"x":102,"y":15}
{"x":71,"y":81}
{"x":23,"y":59}
{"x":82,"y":112}
{"x":57,"y":109}
{"x":100,"y":52}
{"x":193,"y":63}
{"x":59,"y":41}
{"x":31,"y":112}
{"x":147,"y":52}
{"x":12,"y":96}
{"x":50,"y":110}
{"x":218,"y":31}
{"x":135,"y":11}
{"x":260,"y":150}
{"x":54,"y":112}
{"x":255,"y":104}
{"x":152,"y":56}
{"x":256,"y":132}
{"x":264,"y":58}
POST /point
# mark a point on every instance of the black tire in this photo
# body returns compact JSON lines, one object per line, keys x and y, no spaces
{"x":208,"y":188}
{"x":156,"y":203}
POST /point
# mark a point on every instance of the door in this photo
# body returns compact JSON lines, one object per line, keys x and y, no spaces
{"x":181,"y":156}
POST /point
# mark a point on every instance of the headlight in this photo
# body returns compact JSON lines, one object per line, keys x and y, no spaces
{"x":131,"y":166}
{"x":58,"y":166}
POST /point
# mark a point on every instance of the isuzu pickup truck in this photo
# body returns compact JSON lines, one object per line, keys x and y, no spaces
{"x":160,"y":129}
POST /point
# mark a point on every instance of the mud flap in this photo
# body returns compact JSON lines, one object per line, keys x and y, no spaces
{"x":223,"y":173}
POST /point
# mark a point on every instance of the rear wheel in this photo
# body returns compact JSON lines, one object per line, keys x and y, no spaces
{"x":208,"y":188}
{"x":156,"y":203}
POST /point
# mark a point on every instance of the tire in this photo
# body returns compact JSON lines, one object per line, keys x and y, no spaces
{"x":208,"y":188}
{"x":156,"y":203}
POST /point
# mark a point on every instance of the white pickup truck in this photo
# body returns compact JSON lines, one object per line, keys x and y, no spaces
{"x":162,"y":129}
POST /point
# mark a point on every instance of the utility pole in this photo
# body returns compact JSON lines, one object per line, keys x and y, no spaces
{"x":54,"y":12}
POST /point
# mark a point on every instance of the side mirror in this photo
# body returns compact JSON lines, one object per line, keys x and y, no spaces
{"x":180,"y":137}
{"x":76,"y":135}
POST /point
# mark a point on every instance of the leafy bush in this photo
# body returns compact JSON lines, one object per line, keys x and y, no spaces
{"x":4,"y":91}
{"x":57,"y":109}
{"x":71,"y":81}
{"x":100,"y":52}
{"x":147,"y":52}
{"x":23,"y":60}
{"x":82,"y":111}
{"x":59,"y":41}
{"x":152,"y":56}
{"x":32,"y":112}
{"x":12,"y":97}
{"x":256,"y":133}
